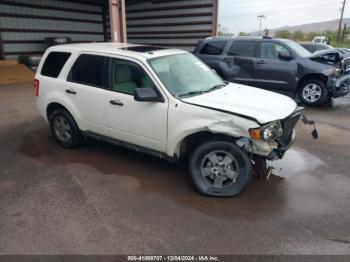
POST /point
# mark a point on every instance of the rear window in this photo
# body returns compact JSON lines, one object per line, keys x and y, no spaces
{"x":213,"y":48}
{"x":54,"y":63}
{"x":242,"y":48}
{"x":89,"y":70}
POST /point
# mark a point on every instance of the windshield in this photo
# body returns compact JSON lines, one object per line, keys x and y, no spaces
{"x":301,"y":51}
{"x":185,"y":75}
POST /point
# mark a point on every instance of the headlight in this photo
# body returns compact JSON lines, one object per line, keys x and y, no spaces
{"x":267,"y":132}
{"x":335,"y":71}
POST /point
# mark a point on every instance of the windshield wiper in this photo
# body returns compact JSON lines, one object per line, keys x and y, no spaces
{"x":192,"y":93}
{"x":204,"y":91}
{"x":216,"y":87}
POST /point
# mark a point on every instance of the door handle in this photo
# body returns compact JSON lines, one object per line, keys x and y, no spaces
{"x":71,"y":91}
{"x":261,"y":62}
{"x":116,"y":102}
{"x":227,"y":60}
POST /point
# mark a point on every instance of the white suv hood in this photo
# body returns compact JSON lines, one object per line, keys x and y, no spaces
{"x":262,"y":105}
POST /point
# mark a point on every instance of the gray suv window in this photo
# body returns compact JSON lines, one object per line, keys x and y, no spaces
{"x":213,"y":48}
{"x":271,"y":50}
{"x":242,"y":48}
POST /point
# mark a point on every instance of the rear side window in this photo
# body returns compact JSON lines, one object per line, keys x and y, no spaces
{"x":89,"y":70}
{"x":213,"y":48}
{"x":54,"y":63}
{"x":242,"y":48}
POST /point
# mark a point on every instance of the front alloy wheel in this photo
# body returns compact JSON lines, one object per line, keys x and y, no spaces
{"x":220,"y":168}
{"x":313,"y":92}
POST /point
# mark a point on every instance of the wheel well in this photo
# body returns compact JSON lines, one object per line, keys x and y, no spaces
{"x":191,"y":142}
{"x":308,"y":77}
{"x":52,"y":107}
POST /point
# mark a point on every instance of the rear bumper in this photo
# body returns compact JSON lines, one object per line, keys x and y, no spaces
{"x":41,"y":107}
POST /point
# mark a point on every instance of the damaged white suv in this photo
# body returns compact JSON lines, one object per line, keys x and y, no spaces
{"x":167,"y":103}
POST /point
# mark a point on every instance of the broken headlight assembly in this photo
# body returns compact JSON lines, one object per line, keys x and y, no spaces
{"x":267,"y":132}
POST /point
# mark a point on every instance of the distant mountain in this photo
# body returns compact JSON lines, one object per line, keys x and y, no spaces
{"x":312,"y":27}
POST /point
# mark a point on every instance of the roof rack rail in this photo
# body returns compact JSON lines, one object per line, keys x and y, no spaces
{"x":250,"y":37}
{"x":221,"y":37}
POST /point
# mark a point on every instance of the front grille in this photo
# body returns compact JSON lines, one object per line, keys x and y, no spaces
{"x":345,"y":65}
{"x":288,"y":125}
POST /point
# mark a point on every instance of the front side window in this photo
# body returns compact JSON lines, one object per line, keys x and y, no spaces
{"x":271,"y":50}
{"x":185,"y":75}
{"x":242,"y":48}
{"x":213,"y":48}
{"x":297,"y":48}
{"x":309,"y":48}
{"x":126,"y":76}
{"x":89,"y":70}
{"x":54,"y":63}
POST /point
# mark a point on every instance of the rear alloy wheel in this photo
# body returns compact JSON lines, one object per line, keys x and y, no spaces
{"x":220,"y":169}
{"x":65,"y":129}
{"x":313,"y":92}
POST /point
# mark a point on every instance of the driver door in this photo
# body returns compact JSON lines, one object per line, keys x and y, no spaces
{"x":140,"y":123}
{"x":272,"y":72}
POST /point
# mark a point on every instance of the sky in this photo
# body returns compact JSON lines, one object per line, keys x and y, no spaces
{"x":241,"y":15}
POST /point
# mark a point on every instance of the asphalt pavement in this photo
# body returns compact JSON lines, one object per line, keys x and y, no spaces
{"x":101,"y":199}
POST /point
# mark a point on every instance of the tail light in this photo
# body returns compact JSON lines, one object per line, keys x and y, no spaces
{"x":36,"y":87}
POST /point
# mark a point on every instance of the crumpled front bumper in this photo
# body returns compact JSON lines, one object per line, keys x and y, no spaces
{"x":275,"y":149}
{"x":339,"y":86}
{"x":279,"y":152}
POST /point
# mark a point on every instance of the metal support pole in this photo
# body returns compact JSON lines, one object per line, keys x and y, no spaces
{"x":117,"y":20}
{"x":343,"y":35}
{"x":341,"y":20}
{"x":215,"y":17}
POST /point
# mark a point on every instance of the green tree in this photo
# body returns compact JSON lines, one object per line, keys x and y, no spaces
{"x":298,"y":35}
{"x":311,"y":35}
{"x":283,"y":34}
{"x":243,"y":34}
{"x":221,"y":33}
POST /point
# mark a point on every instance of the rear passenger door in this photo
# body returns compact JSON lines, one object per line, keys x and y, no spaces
{"x":239,"y":62}
{"x":86,"y":88}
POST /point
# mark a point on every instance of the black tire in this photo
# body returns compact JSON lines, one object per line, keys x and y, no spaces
{"x":205,"y":184}
{"x":52,"y":41}
{"x":75,"y":138}
{"x":29,"y":60}
{"x":321,"y":95}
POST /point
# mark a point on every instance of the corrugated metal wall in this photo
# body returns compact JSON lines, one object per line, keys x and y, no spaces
{"x":24,"y":24}
{"x":170,"y":23}
{"x":178,"y":23}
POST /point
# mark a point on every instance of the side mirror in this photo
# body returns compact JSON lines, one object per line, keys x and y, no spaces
{"x":284,"y":55}
{"x":147,"y":94}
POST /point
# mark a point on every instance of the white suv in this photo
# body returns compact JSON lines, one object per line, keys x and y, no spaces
{"x":167,"y":103}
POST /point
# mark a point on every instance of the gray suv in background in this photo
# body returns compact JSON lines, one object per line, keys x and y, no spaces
{"x":278,"y":65}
